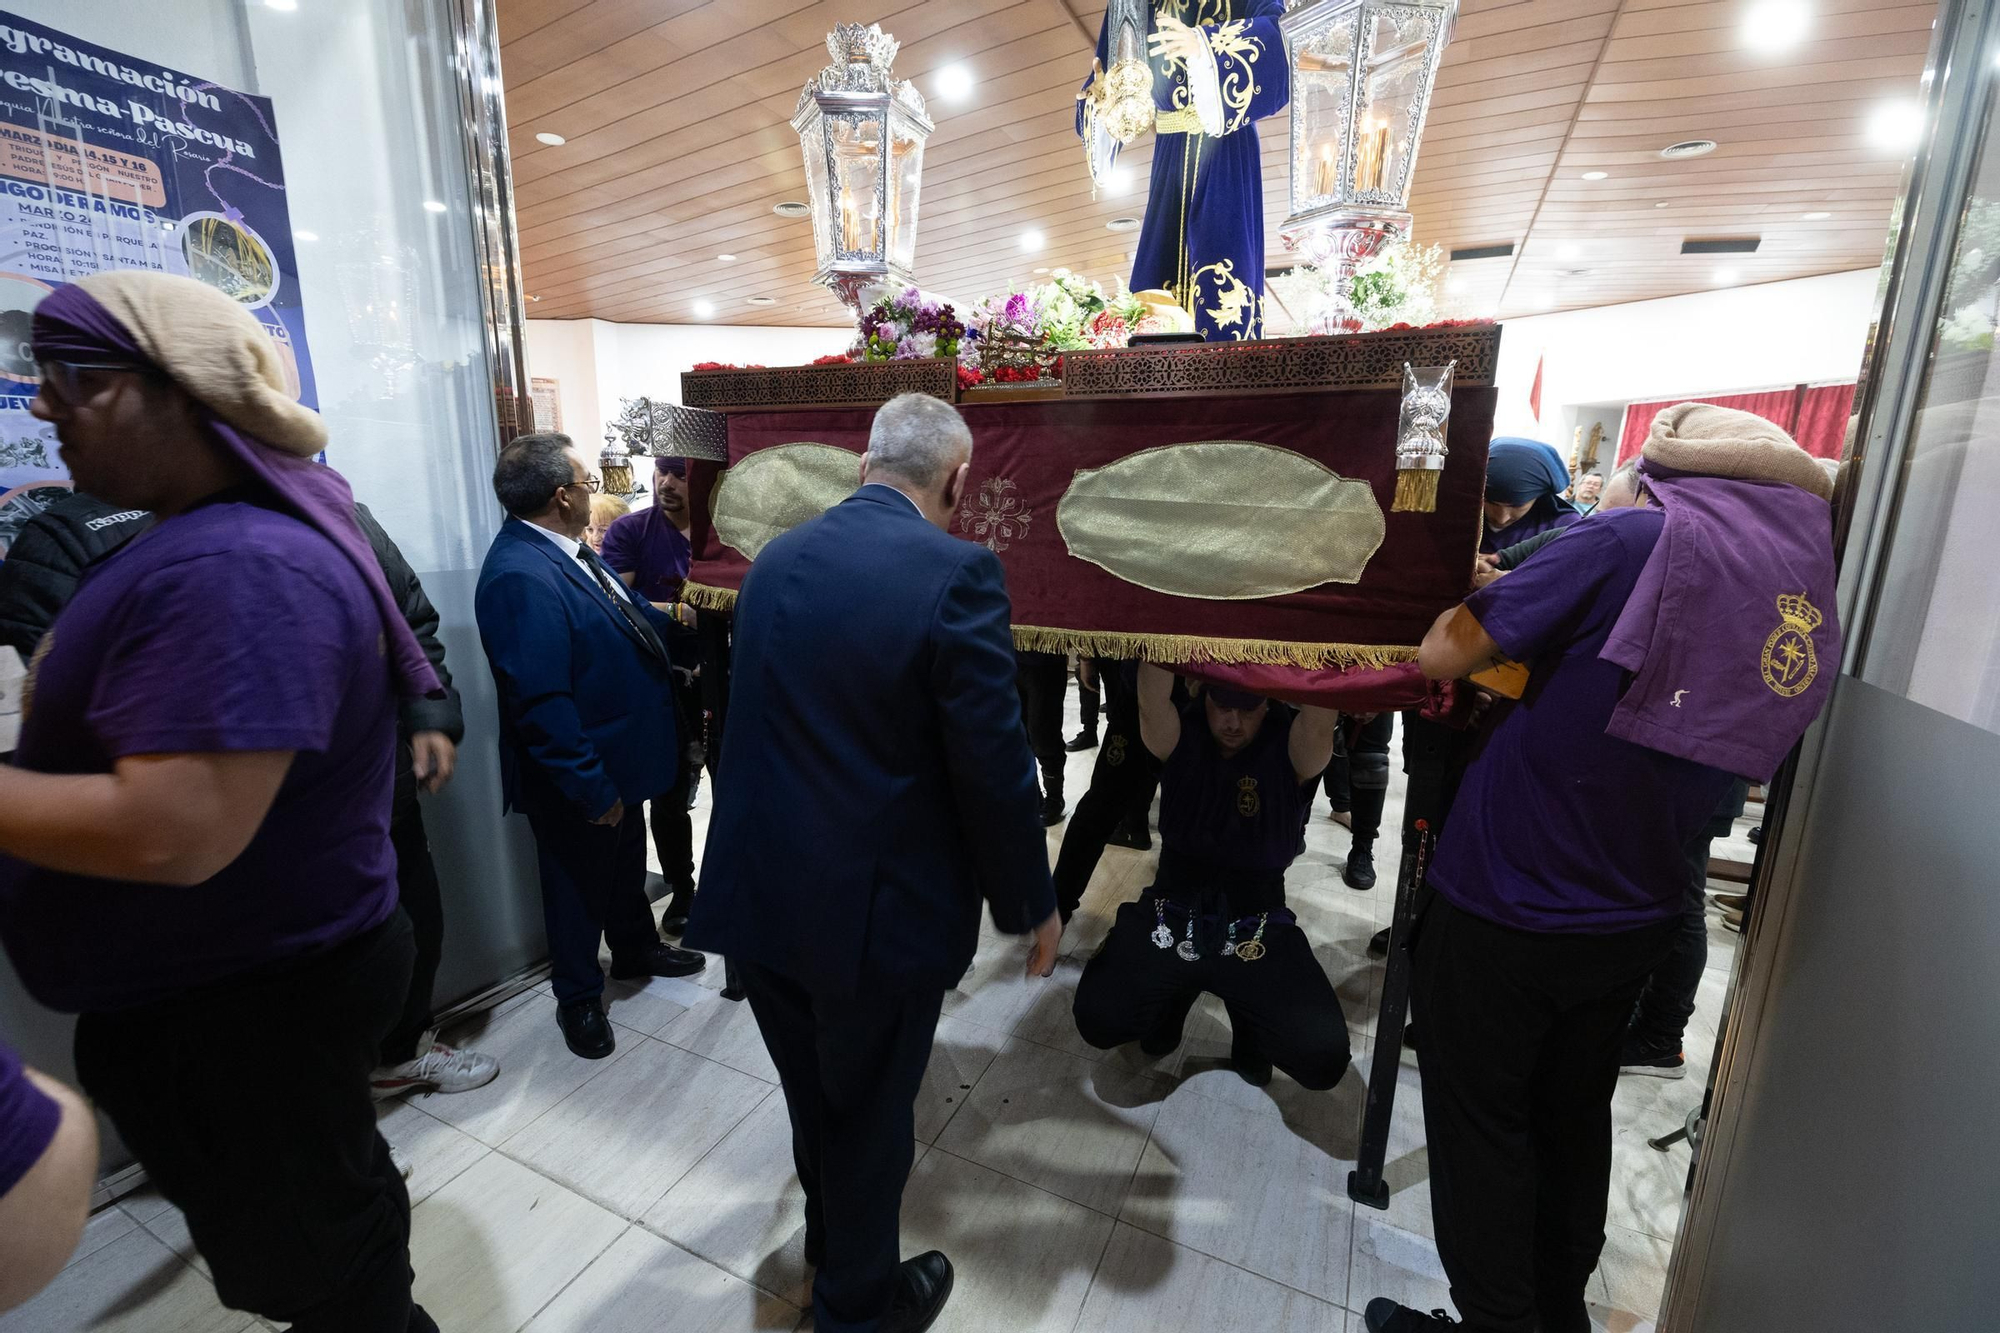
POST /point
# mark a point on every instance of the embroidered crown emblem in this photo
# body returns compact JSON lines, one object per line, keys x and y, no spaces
{"x":1798,"y":613}
{"x":1789,"y":663}
{"x":1247,"y":801}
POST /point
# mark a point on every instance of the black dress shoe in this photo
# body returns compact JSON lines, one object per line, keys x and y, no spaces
{"x":1085,"y":740}
{"x":674,"y":921}
{"x":1386,"y":1316}
{"x":922,"y":1288}
{"x":1378,"y":943}
{"x":661,"y":960}
{"x":1052,"y":811}
{"x":586,"y":1029}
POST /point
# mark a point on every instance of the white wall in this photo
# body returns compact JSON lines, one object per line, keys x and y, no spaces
{"x":1805,"y":331}
{"x":596,"y":362}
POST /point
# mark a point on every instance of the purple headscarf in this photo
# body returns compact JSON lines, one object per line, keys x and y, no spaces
{"x":71,"y":324}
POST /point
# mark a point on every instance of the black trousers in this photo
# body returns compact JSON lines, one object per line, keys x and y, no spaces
{"x":288,"y":1188}
{"x":1282,"y":1004}
{"x":850,"y":1068}
{"x":417,"y":883}
{"x":1667,"y":1003}
{"x":1122,"y":783}
{"x":1519,"y":1059}
{"x":1089,"y":693}
{"x":1042,"y":679}
{"x":673,"y":832}
{"x":1434,"y":758}
{"x":593,"y":887}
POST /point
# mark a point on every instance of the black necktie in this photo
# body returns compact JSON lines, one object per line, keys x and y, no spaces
{"x":624,"y":604}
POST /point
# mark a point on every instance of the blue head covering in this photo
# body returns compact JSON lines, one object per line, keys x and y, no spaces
{"x":1521,"y":472}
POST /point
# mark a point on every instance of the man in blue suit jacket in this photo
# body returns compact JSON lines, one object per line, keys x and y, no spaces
{"x":875,"y":786}
{"x":586,"y":727}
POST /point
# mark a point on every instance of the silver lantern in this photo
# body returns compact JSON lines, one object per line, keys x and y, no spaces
{"x":863,"y":135}
{"x":1362,"y":74}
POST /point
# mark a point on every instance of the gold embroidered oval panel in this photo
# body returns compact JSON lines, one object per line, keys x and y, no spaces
{"x":774,"y":490}
{"x":1222,"y":519}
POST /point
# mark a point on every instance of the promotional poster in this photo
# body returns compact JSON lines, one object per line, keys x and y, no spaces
{"x":107,"y":161}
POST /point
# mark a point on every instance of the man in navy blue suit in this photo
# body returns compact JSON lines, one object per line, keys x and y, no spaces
{"x":875,"y":787}
{"x":586,"y":727}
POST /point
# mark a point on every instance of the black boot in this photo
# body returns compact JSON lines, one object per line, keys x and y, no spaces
{"x":1368,"y":803}
{"x":1360,"y":872}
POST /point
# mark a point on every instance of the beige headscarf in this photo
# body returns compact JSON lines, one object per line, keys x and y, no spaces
{"x":1712,"y":441}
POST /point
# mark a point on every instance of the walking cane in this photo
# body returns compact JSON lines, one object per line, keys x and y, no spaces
{"x":1365,"y":1183}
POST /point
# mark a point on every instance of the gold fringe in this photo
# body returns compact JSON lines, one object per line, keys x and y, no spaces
{"x":707,"y":598}
{"x":1174,"y":649}
{"x":1416,"y":491}
{"x":1181,"y":649}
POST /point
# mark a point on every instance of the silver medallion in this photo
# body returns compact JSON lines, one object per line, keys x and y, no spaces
{"x":1187,"y":951}
{"x":1162,"y":937}
{"x":1228,"y":948}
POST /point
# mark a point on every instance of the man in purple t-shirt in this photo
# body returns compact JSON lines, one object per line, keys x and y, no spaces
{"x":1549,"y":909}
{"x":194,"y":844}
{"x":649,"y":549}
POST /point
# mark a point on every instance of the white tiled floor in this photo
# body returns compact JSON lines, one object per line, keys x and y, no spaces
{"x":1077,"y":1191}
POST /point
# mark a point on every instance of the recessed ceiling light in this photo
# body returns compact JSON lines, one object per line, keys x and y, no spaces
{"x":1119,"y":181}
{"x":1569,"y":251}
{"x":1664,"y":203}
{"x":1122,"y":224}
{"x":727,"y":259}
{"x":1032,"y":240}
{"x":1688,"y":148}
{"x":1896,"y":125}
{"x":954,"y":83}
{"x":1776,"y":25}
{"x":1454,"y":284}
{"x":1814,"y":217}
{"x":760,"y":300}
{"x":1596,"y":175}
{"x":1043,"y":269}
{"x":1546,"y":301}
{"x":301,"y":234}
{"x":534,"y":298}
{"x":1727,"y":277}
{"x":283,"y":6}
{"x":703,"y":309}
{"x":552,"y":140}
{"x":791,"y":208}
{"x":433,"y":206}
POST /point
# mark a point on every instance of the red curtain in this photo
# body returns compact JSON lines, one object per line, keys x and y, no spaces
{"x":1776,"y":405}
{"x":1821,"y":429}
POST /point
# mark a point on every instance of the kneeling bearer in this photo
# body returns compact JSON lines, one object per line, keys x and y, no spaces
{"x":1237,"y":786}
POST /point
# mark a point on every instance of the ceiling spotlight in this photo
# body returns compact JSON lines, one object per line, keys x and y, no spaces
{"x":1032,"y":240}
{"x":1569,"y":251}
{"x":433,"y":206}
{"x":703,"y":309}
{"x":791,"y":208}
{"x":1773,"y":26}
{"x":1122,"y":224}
{"x":1596,"y":175}
{"x":1664,"y":203}
{"x":1455,"y":285}
{"x":534,"y":298}
{"x":1043,"y":269}
{"x":1688,"y":148}
{"x":1896,"y":125}
{"x":1545,"y":301}
{"x":1119,"y":181}
{"x":1727,"y":277}
{"x":300,"y":234}
{"x":760,"y":300}
{"x":1814,"y":217}
{"x":954,"y":83}
{"x":282,"y":6}
{"x":727,"y":259}
{"x":552,"y":140}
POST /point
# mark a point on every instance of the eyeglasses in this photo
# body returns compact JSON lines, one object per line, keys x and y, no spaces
{"x":594,"y":484}
{"x":60,"y":378}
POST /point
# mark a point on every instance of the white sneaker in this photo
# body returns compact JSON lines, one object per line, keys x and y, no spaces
{"x":437,"y":1068}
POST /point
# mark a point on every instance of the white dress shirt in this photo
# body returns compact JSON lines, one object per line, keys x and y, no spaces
{"x":573,"y":548}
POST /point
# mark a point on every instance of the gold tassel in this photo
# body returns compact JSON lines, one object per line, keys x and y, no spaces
{"x":1416,"y":491}
{"x":1191,"y":648}
{"x":707,"y":598}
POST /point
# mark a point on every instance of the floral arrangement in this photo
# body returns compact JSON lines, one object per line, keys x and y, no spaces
{"x":1020,"y":337}
{"x":1398,"y":286}
{"x":909,"y":327}
{"x":723,"y":365}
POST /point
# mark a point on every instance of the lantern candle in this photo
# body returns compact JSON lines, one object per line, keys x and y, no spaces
{"x":1323,"y":179}
{"x":850,"y":225}
{"x":1368,"y":165}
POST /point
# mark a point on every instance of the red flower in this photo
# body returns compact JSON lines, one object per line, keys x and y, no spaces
{"x":968,"y":378}
{"x":833,"y":359}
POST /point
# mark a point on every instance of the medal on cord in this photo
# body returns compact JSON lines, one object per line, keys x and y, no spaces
{"x":1253,"y":948}
{"x":1186,"y":948}
{"x":1162,"y":937}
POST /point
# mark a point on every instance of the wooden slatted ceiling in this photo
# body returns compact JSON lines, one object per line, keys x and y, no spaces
{"x":676,"y":114}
